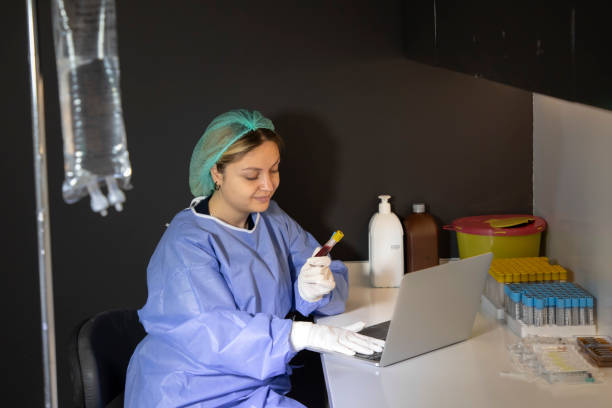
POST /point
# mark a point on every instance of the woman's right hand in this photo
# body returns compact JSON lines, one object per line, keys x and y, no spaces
{"x":345,"y":340}
{"x":315,"y":279}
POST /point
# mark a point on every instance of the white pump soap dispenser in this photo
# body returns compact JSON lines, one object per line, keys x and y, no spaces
{"x":386,"y":246}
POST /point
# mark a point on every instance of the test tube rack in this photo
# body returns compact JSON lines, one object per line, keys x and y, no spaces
{"x":528,"y":269}
{"x":523,"y":330}
{"x":560,"y":309}
{"x":516,"y":270}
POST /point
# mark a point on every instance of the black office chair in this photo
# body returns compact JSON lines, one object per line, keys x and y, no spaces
{"x":99,"y":353}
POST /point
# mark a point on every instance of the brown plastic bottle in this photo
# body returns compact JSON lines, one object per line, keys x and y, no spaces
{"x":421,"y":239}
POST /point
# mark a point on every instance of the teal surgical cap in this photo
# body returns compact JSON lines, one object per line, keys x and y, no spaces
{"x":222,"y":132}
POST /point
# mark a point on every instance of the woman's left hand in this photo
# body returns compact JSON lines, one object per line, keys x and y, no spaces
{"x":316,"y":279}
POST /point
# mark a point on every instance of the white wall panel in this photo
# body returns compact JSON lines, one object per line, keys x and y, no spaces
{"x":572,"y":190}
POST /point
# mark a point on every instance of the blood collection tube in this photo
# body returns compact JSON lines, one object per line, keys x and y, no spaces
{"x":527,"y":317}
{"x":575,"y":310}
{"x":568,"y":311}
{"x":538,"y":313}
{"x":507,"y":300}
{"x":552,"y":302}
{"x":516,"y":299}
{"x":582,"y":310}
{"x":335,"y":238}
{"x":590,"y":311}
{"x":560,"y":318}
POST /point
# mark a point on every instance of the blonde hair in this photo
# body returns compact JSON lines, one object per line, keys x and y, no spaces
{"x":246,"y":143}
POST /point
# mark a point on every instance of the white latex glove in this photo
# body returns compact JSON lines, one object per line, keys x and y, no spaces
{"x":315,"y":279}
{"x":343,"y":340}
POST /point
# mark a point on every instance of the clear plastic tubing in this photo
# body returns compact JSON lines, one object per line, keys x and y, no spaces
{"x":560,"y":315}
{"x":568,"y":311}
{"x":590,"y":311}
{"x":527,"y":301}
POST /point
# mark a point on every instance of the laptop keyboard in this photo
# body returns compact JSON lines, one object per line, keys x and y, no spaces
{"x":373,"y":357}
{"x":378,"y":331}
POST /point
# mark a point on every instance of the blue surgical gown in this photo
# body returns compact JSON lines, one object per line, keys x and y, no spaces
{"x":218,"y":295}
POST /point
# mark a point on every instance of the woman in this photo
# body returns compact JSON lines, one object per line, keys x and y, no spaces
{"x":223,"y":277}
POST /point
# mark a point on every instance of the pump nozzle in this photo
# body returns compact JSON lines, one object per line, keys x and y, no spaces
{"x":384,"y":207}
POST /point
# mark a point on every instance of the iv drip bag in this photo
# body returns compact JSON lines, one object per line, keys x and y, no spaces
{"x":95,"y":144}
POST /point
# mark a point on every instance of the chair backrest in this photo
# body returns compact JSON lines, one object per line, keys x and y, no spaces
{"x":100,"y":353}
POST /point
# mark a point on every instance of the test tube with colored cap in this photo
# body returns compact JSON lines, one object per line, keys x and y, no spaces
{"x":335,"y":238}
{"x":515,"y":312}
{"x":551,"y":309}
{"x":575,"y":310}
{"x":560,"y":316}
{"x":590,"y":311}
{"x":527,"y":301}
{"x":507,"y":298}
{"x":582,"y":310}
{"x":568,"y":310}
{"x":538,"y":312}
{"x":511,"y":288}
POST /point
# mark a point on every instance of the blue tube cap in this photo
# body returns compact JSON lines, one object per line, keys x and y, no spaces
{"x":539,"y":303}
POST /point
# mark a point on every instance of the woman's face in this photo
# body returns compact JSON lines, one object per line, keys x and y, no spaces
{"x":247,"y":185}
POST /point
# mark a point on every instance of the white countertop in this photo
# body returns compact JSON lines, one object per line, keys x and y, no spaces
{"x":466,"y":374}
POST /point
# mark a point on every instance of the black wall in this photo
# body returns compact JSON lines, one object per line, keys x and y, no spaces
{"x":359,"y":120}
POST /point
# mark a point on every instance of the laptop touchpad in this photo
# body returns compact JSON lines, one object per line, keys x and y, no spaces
{"x":378,"y":331}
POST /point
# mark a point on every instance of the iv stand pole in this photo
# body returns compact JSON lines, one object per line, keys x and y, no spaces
{"x":42,"y":214}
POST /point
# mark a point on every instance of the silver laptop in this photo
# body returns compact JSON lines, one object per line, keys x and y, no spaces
{"x":435,"y":307}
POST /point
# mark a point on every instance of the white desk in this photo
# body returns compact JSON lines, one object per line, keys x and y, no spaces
{"x":466,"y":374}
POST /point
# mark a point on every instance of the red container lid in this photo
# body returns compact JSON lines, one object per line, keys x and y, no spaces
{"x":500,"y":224}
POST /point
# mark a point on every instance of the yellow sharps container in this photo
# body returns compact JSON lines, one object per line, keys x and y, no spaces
{"x":506,"y":235}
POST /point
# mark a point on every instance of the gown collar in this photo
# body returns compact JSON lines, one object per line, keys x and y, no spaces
{"x":197,"y":200}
